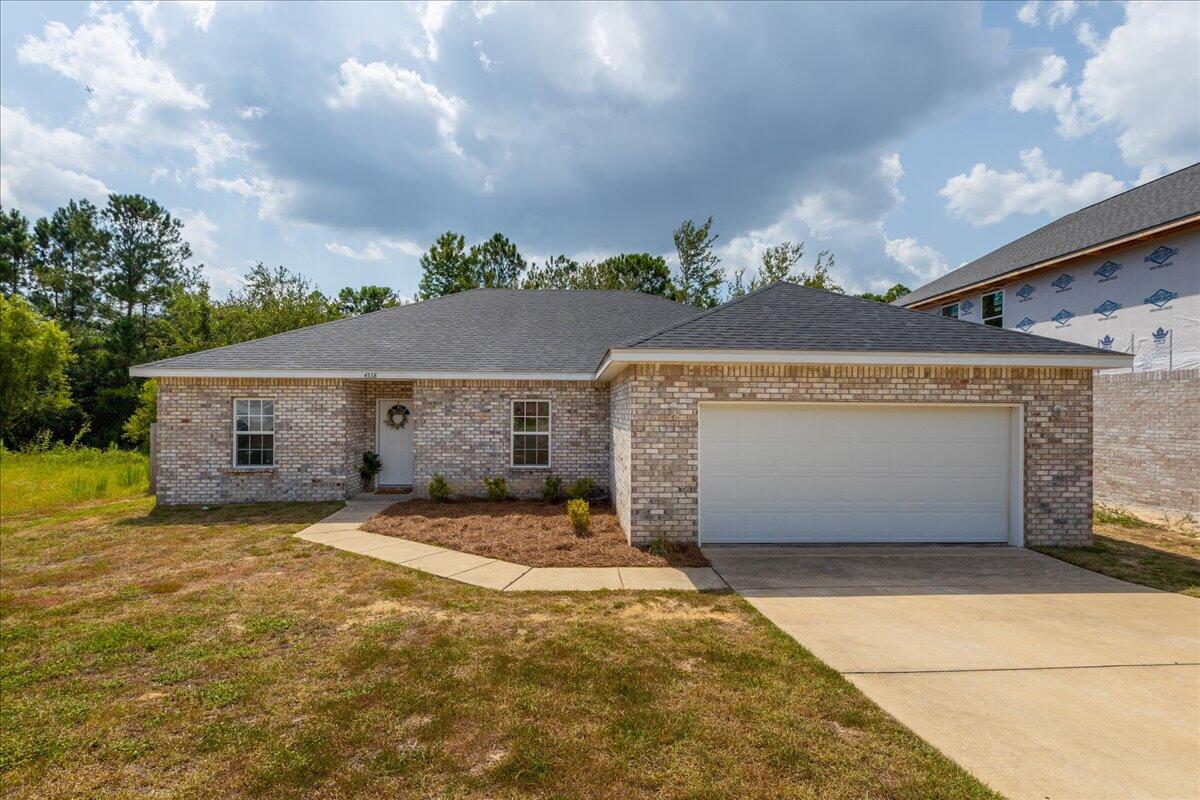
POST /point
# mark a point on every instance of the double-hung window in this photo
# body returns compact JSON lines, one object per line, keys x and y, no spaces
{"x":253,"y":433}
{"x":950,"y":311}
{"x":993,"y":309}
{"x":531,"y":433}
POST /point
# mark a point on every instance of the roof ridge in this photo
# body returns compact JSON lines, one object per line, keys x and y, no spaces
{"x":703,"y":313}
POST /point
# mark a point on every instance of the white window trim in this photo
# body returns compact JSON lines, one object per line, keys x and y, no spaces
{"x":981,"y":307}
{"x":234,"y":449}
{"x":942,"y":311}
{"x":512,"y":433}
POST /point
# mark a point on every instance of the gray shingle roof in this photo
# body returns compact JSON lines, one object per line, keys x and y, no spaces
{"x":1167,"y":199}
{"x":485,"y":330}
{"x":784,"y":316}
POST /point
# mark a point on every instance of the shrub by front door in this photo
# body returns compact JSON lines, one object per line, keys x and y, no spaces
{"x":393,"y":426}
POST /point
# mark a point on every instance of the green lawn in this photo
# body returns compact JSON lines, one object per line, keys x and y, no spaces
{"x":66,"y":477}
{"x":1138,"y":551}
{"x":209,"y":654}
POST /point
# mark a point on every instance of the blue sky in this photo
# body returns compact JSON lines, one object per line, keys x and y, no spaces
{"x":340,"y":139}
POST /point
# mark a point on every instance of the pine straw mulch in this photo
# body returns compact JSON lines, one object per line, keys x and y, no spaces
{"x":524,"y":532}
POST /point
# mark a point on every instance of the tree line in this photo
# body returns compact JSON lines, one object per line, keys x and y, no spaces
{"x":89,"y":291}
{"x":699,"y":280}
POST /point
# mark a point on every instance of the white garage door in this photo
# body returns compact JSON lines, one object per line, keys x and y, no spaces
{"x":772,"y":472}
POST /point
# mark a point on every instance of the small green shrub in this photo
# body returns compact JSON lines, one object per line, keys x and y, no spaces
{"x":581,"y":489}
{"x":662,"y":546}
{"x":496,"y":488}
{"x":1116,"y":516}
{"x":439,"y":488}
{"x":371,"y":466}
{"x":552,"y":489}
{"x":580,"y":515}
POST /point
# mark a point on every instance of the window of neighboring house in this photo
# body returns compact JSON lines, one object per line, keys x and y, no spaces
{"x":993,"y":309}
{"x":253,"y":433}
{"x":531,"y":433}
{"x":950,"y":311}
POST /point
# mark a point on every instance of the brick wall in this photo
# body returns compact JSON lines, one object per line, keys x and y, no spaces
{"x":663,"y":409}
{"x":323,"y":426}
{"x":463,"y":430}
{"x":621,"y":444}
{"x":314,"y":426}
{"x":1147,"y":439}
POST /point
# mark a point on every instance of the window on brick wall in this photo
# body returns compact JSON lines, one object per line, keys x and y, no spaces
{"x":531,"y":433}
{"x":253,"y":433}
{"x":993,"y":309}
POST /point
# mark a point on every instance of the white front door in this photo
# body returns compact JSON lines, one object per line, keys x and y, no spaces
{"x":394,"y":444}
{"x":855,"y":472}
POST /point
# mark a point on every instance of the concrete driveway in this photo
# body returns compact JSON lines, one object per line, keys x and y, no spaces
{"x":1042,"y":679}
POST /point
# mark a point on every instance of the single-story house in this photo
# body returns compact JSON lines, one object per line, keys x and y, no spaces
{"x":1122,"y":275}
{"x":788,"y":415}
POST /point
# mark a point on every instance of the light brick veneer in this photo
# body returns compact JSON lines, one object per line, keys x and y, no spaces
{"x":1148,"y":439}
{"x":323,"y":426}
{"x":463,"y":430}
{"x":660,"y":403}
{"x":315,"y":424}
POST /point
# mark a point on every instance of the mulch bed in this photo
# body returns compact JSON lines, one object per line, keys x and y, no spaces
{"x":524,"y":532}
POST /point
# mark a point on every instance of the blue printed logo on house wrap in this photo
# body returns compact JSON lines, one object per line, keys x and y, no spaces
{"x":1161,"y":298}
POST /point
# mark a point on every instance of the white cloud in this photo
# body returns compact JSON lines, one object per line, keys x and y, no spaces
{"x":849,"y":220}
{"x":271,"y":195}
{"x":1043,"y":90}
{"x":134,"y":99}
{"x":1144,"y":81}
{"x":484,"y":60}
{"x":1141,"y":81}
{"x":432,"y":18}
{"x":1085,"y":34}
{"x":159,"y":19}
{"x":251,"y":112}
{"x":103,"y":55}
{"x":376,"y":250}
{"x":41,"y":168}
{"x":198,"y":229}
{"x":919,"y":259}
{"x":364,"y":84}
{"x":986,"y":196}
{"x":1052,"y":13}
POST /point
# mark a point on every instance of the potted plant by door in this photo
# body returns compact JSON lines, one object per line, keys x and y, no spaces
{"x":370,"y":467}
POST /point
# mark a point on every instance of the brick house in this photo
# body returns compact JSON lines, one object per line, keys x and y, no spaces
{"x":1121,"y":275}
{"x":788,"y":415}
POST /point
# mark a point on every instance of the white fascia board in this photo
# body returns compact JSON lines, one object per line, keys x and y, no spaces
{"x":617,"y":359}
{"x":362,"y":375}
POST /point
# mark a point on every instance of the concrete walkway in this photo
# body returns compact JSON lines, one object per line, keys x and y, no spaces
{"x":343,"y":530}
{"x":1042,"y":679}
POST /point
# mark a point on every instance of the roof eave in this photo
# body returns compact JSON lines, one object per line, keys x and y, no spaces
{"x":1086,"y":252}
{"x":152,"y":371}
{"x":617,"y":359}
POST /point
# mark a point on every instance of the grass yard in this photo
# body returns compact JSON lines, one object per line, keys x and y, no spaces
{"x":62,"y":477}
{"x":1136,"y":550}
{"x":525,"y":532}
{"x":209,"y":654}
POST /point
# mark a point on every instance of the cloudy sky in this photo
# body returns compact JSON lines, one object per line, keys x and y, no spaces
{"x":340,"y":139}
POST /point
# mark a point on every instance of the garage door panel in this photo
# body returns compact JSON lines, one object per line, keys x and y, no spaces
{"x":779,"y":473}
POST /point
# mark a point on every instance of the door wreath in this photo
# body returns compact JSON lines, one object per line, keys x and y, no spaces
{"x":397,"y":416}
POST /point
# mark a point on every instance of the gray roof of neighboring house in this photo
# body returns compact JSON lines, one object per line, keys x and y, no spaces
{"x":484,"y":330}
{"x":1170,"y":198}
{"x":784,"y":316}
